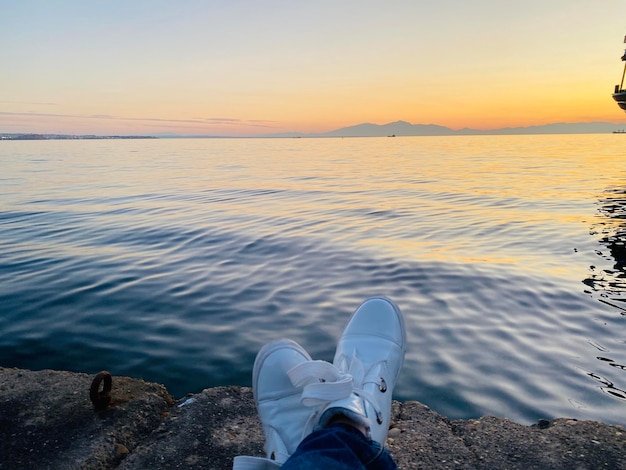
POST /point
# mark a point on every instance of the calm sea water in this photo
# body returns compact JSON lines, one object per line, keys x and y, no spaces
{"x":176,"y":260}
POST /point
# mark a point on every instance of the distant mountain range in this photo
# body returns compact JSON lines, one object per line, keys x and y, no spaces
{"x":398,"y":128}
{"x":403,"y":128}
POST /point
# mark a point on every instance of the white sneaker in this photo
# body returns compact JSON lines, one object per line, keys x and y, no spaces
{"x":285,"y":420}
{"x":360,"y":382}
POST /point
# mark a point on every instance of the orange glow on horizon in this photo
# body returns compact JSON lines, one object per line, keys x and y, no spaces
{"x":240,"y":70}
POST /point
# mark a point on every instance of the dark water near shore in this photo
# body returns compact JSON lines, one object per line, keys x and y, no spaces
{"x":176,"y":260}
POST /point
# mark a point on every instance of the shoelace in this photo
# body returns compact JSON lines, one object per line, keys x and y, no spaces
{"x":324,"y":382}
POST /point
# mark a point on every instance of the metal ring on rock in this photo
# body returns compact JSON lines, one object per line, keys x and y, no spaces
{"x":101,"y":398}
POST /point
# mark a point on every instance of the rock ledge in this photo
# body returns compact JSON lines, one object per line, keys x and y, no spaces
{"x":47,"y":421}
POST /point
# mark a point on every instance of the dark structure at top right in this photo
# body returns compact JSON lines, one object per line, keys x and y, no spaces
{"x":619,"y":95}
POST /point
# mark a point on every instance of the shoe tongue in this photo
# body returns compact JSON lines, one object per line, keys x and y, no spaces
{"x":351,"y":408}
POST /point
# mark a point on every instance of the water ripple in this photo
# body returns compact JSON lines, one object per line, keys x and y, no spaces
{"x":176,"y":260}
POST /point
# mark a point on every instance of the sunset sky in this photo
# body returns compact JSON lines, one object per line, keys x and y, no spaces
{"x":237,"y":67}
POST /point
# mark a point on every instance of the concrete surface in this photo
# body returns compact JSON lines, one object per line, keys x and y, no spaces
{"x":47,"y":421}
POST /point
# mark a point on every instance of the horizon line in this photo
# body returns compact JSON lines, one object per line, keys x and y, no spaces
{"x":441,"y":131}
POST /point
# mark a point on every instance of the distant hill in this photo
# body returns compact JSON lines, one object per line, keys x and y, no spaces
{"x":393,"y":128}
{"x":403,"y":128}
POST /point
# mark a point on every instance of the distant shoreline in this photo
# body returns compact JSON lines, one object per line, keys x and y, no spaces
{"x":392,"y":129}
{"x":70,"y":137}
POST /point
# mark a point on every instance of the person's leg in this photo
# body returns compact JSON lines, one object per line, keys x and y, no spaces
{"x":285,"y":420}
{"x":352,"y":396}
{"x":354,"y":393}
{"x":339,"y":446}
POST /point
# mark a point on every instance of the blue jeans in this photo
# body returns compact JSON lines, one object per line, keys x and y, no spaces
{"x":339,"y":447}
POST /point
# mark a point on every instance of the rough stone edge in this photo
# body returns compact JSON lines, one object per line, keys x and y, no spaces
{"x":218,"y":423}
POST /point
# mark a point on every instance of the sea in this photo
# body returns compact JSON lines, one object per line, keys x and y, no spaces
{"x":176,"y":260}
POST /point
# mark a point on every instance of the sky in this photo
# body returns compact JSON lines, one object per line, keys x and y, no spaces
{"x":259,"y":67}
